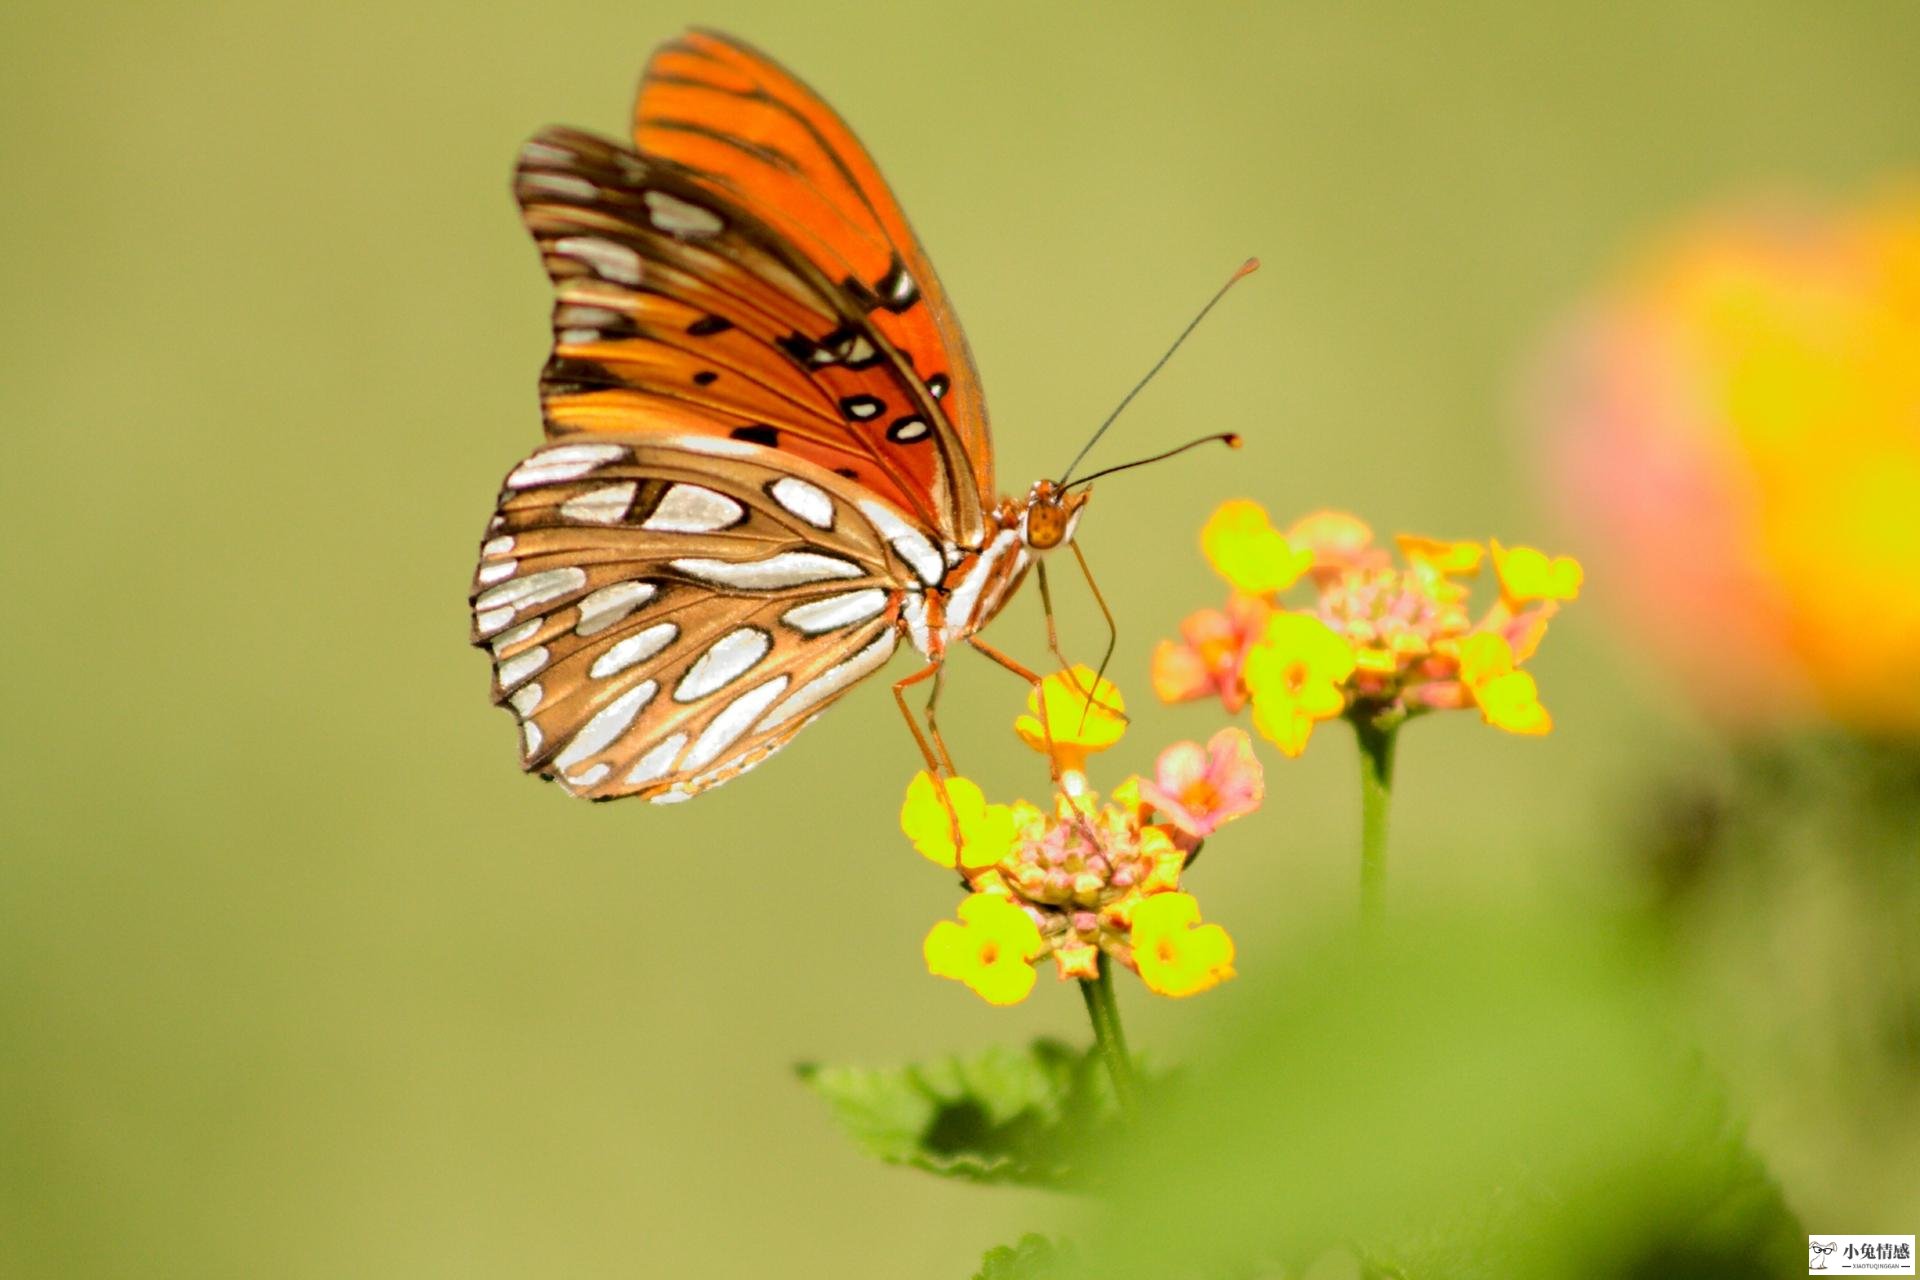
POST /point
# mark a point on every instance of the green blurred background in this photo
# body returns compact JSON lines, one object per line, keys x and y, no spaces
{"x":300,"y":977}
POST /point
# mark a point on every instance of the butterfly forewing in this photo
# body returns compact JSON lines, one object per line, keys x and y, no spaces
{"x":664,"y":613}
{"x":752,"y":130}
{"x":678,"y":309}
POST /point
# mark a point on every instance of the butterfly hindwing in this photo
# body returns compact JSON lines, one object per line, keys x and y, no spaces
{"x":679,"y":310}
{"x":665,"y":612}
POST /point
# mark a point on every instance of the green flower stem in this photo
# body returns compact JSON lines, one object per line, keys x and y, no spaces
{"x":1376,"y":737}
{"x":1108,"y":1039}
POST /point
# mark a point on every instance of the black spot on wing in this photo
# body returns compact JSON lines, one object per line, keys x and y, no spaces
{"x":566,"y":376}
{"x":705,"y":378}
{"x":707,"y":326}
{"x":758,"y":433}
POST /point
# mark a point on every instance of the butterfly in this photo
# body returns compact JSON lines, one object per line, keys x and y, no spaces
{"x":767,"y":461}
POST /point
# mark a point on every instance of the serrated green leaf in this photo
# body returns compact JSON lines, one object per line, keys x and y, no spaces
{"x":1000,"y":1116}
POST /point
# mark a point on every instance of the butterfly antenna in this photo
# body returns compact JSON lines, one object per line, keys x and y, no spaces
{"x":1229,"y":438}
{"x":1245,"y":269}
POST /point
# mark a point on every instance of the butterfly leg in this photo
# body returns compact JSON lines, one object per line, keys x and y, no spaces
{"x":934,"y":671}
{"x":1113,"y":630}
{"x":1046,"y":610}
{"x":1053,"y":636}
{"x":1033,"y":678}
{"x":936,"y":764}
{"x":933,"y":725}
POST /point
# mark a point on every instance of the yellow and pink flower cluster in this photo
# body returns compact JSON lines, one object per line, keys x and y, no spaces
{"x":1091,"y":876}
{"x":1382,"y":636}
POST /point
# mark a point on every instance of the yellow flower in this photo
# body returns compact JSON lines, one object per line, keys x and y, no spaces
{"x":1508,"y":698}
{"x":1451,"y":559}
{"x":1175,"y":953}
{"x":991,"y":949}
{"x":1527,"y":574}
{"x":1242,"y":545}
{"x":1078,"y":727}
{"x":1295,"y":675}
{"x":987,"y":831}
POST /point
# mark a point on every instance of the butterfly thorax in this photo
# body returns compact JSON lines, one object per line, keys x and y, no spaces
{"x":979,"y":582}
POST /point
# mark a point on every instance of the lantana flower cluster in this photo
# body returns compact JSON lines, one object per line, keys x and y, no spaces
{"x":1382,"y":636}
{"x":1088,"y":876}
{"x":1734,"y":421}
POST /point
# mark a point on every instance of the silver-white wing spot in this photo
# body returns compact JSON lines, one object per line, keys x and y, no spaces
{"x":491,"y":620}
{"x":834,"y":612}
{"x":913,"y":546}
{"x":535,"y":588}
{"x":808,"y":501}
{"x":787,"y":569}
{"x":609,"y":605}
{"x":636,"y":648}
{"x":679,"y":217}
{"x":587,"y":777}
{"x":561,"y":184}
{"x":730,"y":657}
{"x":497,"y":547}
{"x":521,"y":633}
{"x":717,"y":446}
{"x":610,"y":261}
{"x":607,"y":724}
{"x":526,"y":701}
{"x":563,"y":462}
{"x":832,"y":680}
{"x":658,"y":761}
{"x":530,"y":736}
{"x":607,"y":505}
{"x":521,"y":665}
{"x":725,"y":729}
{"x":689,"y":508}
{"x":499,"y":569}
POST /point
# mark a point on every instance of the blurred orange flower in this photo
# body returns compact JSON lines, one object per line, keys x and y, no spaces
{"x":1738,"y":425}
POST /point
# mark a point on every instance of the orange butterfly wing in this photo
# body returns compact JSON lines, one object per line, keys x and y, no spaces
{"x":753,"y":131}
{"x":678,"y":310}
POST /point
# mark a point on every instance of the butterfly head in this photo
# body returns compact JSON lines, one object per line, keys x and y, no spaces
{"x":1050,"y":515}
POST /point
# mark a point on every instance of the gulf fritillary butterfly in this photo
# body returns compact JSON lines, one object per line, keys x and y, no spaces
{"x":768,"y":457}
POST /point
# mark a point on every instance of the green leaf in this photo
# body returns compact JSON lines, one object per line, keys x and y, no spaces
{"x":1012,"y":1116}
{"x":1034,"y":1258}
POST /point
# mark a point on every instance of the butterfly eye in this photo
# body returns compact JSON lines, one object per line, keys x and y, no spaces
{"x":1046,"y":526}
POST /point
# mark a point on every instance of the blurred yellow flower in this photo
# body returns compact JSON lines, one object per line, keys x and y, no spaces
{"x":1527,"y":575}
{"x":1175,"y":953}
{"x":1294,"y":676}
{"x":1737,"y":426}
{"x":1080,"y":717}
{"x":991,"y":950}
{"x":1508,"y":698}
{"x":986,"y":830}
{"x":1243,"y":547}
